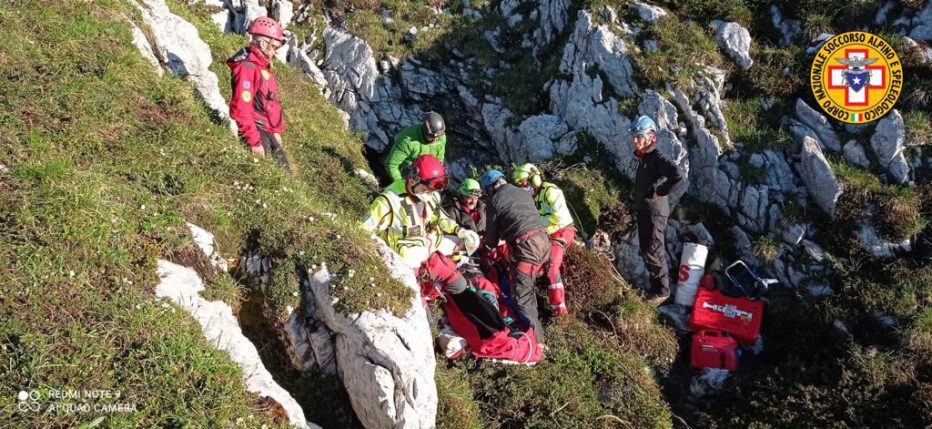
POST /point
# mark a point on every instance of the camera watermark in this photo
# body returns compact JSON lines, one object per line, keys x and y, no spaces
{"x":73,"y":401}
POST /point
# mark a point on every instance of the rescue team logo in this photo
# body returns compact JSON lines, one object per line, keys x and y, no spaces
{"x":856,"y":77}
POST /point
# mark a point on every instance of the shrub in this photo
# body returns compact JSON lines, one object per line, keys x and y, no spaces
{"x":767,"y":248}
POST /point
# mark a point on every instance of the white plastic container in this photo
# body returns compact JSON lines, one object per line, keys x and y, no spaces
{"x":692,"y":266}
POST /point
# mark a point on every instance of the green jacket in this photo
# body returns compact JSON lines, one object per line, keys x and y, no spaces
{"x":409,"y":144}
{"x":551,"y":204}
{"x":392,"y":214}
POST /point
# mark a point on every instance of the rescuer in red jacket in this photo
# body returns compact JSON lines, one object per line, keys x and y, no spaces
{"x":255,"y":103}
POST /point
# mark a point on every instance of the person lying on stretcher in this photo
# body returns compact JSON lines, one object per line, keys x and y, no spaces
{"x":477,"y":319}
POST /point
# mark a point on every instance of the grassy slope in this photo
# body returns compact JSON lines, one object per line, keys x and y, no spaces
{"x":106,"y":163}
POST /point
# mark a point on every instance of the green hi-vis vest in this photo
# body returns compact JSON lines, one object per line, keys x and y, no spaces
{"x":402,"y":222}
{"x":551,"y":204}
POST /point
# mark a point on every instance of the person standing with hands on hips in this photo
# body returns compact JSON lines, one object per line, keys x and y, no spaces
{"x":656,"y":175}
{"x":255,"y":103}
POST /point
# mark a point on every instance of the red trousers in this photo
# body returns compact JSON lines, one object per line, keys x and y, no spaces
{"x":559,"y":241}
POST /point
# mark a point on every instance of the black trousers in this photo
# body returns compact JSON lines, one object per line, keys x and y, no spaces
{"x":528,"y":257}
{"x":271,"y":147}
{"x":652,"y":229}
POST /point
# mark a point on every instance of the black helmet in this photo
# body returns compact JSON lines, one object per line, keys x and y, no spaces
{"x":433,"y":126}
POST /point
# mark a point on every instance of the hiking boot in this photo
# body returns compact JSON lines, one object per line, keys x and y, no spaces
{"x":655,"y":300}
{"x":559,"y":310}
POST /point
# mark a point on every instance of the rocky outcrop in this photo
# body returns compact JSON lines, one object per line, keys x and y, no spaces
{"x":282,"y":11}
{"x":735,"y":41}
{"x":386,"y":363}
{"x":549,"y":19}
{"x":878,"y":247}
{"x":141,"y":43}
{"x":353,"y":79}
{"x":541,"y":138}
{"x":818,"y":176}
{"x":708,"y":182}
{"x":922,"y":24}
{"x":855,"y":154}
{"x":580,"y":97}
{"x":790,"y":29}
{"x":182,"y":286}
{"x":887,"y":144}
{"x":648,"y":13}
{"x":814,"y":124}
{"x":179,"y":48}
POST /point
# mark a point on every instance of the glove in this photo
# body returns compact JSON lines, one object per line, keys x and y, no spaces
{"x":470,"y":240}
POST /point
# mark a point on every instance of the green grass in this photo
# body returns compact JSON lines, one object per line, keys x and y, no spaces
{"x":897,"y":215}
{"x":107,"y":161}
{"x":757,"y":129}
{"x":686,"y":48}
{"x":364,"y":19}
{"x":590,"y":187}
{"x":918,"y":128}
{"x":767,"y":248}
{"x":322,"y":148}
{"x":599,"y":373}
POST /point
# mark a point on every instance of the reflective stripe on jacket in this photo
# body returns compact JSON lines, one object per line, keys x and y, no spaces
{"x":551,"y":204}
{"x":393,"y":212}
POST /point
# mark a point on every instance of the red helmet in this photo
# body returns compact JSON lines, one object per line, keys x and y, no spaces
{"x":268,"y":27}
{"x":427,"y":169}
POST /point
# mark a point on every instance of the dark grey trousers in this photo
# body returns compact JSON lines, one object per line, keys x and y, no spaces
{"x":527,"y":264}
{"x":652,"y":239}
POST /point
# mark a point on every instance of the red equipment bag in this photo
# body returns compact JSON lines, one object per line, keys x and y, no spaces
{"x":740,"y":317}
{"x":713,"y":349}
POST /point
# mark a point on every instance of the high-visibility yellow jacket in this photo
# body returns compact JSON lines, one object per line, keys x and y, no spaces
{"x":551,"y":204}
{"x":406,"y":221}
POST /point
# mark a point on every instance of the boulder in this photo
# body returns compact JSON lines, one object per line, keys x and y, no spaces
{"x":179,"y":48}
{"x":647,"y":12}
{"x":735,"y":40}
{"x":790,"y":29}
{"x":888,"y":145}
{"x":878,"y":247}
{"x":819,"y":125}
{"x":922,"y":51}
{"x":855,"y":154}
{"x":541,"y":138}
{"x":922,"y":24}
{"x":818,"y":176}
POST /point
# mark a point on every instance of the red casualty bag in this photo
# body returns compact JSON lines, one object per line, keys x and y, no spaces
{"x":713,"y":349}
{"x":739,"y":317}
